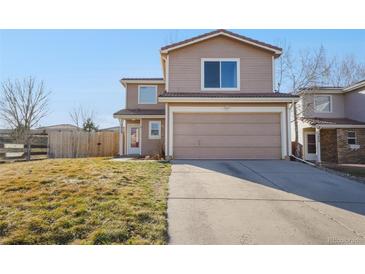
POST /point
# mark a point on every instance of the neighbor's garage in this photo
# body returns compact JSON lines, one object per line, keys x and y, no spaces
{"x":226,"y":136}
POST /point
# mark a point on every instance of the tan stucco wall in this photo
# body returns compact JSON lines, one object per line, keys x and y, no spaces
{"x":355,"y":105}
{"x":255,"y":65}
{"x":132,"y":97}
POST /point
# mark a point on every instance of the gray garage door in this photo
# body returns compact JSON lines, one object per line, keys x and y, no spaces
{"x":226,"y":136}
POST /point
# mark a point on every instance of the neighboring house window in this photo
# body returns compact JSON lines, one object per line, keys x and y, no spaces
{"x":322,"y":103}
{"x":154,"y":130}
{"x":147,"y":94}
{"x":351,"y":137}
{"x":220,"y":74}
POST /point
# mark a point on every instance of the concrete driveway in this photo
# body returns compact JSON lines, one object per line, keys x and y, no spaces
{"x":263,"y":202}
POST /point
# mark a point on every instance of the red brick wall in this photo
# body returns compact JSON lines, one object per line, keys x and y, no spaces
{"x":329,"y":145}
{"x":346,"y":155}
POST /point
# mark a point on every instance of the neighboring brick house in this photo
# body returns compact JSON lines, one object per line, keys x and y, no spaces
{"x":331,"y":124}
{"x":214,"y":101}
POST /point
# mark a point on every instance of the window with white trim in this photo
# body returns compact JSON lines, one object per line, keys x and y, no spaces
{"x":220,"y":74}
{"x":154,"y":130}
{"x":351,"y":137}
{"x":322,"y":103}
{"x":147,"y":95}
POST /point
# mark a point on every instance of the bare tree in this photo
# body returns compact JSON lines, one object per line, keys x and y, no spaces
{"x":306,"y":69}
{"x":346,"y":71}
{"x":84,"y":118}
{"x":75,"y":116}
{"x":22,"y":106}
{"x":311,"y":68}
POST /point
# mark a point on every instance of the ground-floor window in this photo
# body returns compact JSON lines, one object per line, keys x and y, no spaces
{"x":154,"y":131}
{"x":351,"y":137}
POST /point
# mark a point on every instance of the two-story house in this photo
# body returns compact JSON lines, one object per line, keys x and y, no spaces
{"x":331,"y":124}
{"x":215,"y":101}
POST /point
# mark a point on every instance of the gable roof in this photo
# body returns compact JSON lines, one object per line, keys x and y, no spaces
{"x":332,"y":89}
{"x":276,"y":50}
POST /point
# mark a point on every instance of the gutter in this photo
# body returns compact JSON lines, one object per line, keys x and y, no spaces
{"x":338,"y":126}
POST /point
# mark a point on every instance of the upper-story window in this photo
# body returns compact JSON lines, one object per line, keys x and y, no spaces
{"x":322,"y":103}
{"x":220,"y":74}
{"x":147,"y":94}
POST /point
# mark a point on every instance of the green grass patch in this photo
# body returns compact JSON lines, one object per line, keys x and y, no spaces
{"x":351,"y":169}
{"x":83,"y":201}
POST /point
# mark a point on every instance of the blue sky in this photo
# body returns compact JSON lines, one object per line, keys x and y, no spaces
{"x":83,"y":67}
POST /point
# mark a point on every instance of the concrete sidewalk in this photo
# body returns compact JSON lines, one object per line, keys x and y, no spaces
{"x":263,"y":202}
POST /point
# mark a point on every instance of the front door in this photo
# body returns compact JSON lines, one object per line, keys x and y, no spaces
{"x":310,"y":147}
{"x":133,"y":139}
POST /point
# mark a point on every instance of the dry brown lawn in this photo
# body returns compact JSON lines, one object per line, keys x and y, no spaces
{"x":83,"y":201}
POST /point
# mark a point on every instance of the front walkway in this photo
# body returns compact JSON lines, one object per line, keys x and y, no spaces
{"x":263,"y":202}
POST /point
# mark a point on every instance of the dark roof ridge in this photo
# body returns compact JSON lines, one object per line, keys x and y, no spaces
{"x":220,"y":31}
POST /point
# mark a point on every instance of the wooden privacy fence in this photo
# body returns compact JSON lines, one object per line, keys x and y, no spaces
{"x":11,"y":148}
{"x":75,"y":144}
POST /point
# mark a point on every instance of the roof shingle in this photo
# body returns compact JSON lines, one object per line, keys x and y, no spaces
{"x":331,"y":121}
{"x":133,"y":112}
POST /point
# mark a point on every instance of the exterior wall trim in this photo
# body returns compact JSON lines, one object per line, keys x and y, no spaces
{"x":281,"y":110}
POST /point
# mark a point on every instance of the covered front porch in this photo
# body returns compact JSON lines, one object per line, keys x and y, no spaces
{"x":333,"y":140}
{"x":142,"y":132}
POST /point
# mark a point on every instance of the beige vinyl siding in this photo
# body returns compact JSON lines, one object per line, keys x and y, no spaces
{"x":227,"y":136}
{"x":132,"y":97}
{"x":355,"y":105}
{"x":255,"y":65}
{"x":338,"y":106}
{"x":152,"y":146}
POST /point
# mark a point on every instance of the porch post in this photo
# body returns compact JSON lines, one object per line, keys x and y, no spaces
{"x":318,"y":144}
{"x":166,"y":130}
{"x":140,"y":136}
{"x":121,"y":139}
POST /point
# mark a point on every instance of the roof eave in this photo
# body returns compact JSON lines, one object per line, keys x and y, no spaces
{"x":324,"y":126}
{"x":277,"y":52}
{"x":127,"y":116}
{"x":354,"y":87}
{"x":124,"y":82}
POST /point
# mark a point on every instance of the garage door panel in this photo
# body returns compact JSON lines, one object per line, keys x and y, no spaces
{"x":227,"y":153}
{"x":226,"y":136}
{"x":227,"y":141}
{"x":207,"y":118}
{"x":227,"y":129}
